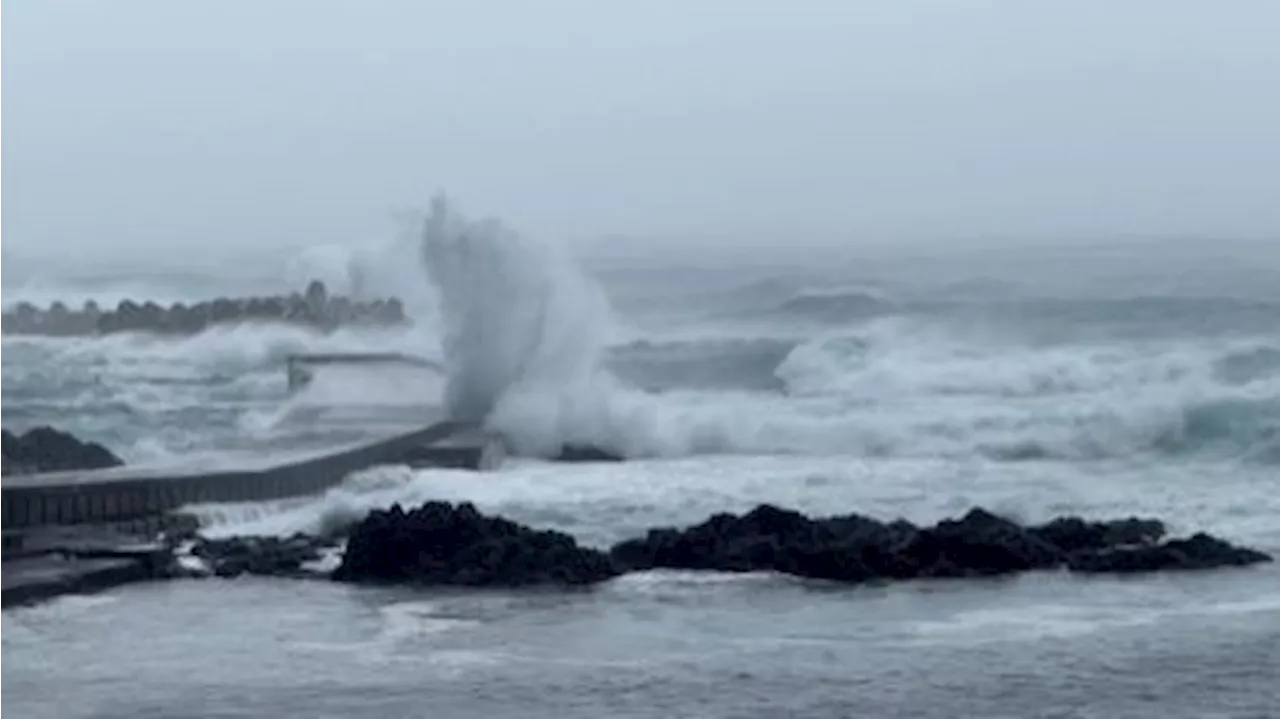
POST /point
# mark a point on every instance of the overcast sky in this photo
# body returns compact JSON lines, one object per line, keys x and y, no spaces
{"x":134,"y":124}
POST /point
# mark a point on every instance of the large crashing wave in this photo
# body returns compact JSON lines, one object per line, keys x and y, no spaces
{"x":524,"y":333}
{"x":522,"y":329}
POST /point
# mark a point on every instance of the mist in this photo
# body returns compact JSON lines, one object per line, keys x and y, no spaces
{"x":176,"y":133}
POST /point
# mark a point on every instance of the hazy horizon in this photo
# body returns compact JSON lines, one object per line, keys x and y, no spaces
{"x":151,"y":129}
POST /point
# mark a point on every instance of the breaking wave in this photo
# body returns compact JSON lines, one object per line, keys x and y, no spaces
{"x":524,"y":333}
{"x":833,"y":306}
{"x":530,"y":347}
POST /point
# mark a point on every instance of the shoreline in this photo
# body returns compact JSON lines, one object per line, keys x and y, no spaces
{"x":77,"y":560}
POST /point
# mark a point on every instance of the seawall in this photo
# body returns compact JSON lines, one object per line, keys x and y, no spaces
{"x":128,"y":495}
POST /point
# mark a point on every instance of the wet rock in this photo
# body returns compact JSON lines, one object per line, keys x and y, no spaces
{"x":978,"y":544}
{"x":44,"y":449}
{"x":1200,"y":551}
{"x":264,"y":556}
{"x":853,"y":548}
{"x":849,"y":548}
{"x":442,"y":544}
{"x":1073,"y":533}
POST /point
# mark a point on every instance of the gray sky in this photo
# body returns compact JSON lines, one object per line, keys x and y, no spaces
{"x":151,"y":124}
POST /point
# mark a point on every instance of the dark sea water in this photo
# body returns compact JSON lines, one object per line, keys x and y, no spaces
{"x":902,"y":385}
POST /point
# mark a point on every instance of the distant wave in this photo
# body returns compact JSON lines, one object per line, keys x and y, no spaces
{"x":839,"y":306}
{"x":1248,"y":365}
{"x":759,"y":368}
{"x":711,"y":364}
{"x":1070,"y":402}
{"x":814,"y":306}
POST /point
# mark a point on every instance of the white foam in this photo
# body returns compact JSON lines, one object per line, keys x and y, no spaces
{"x":523,"y":329}
{"x":405,"y":620}
{"x":329,"y":561}
{"x":1027,"y":624}
{"x":604,"y":503}
{"x":194,"y":565}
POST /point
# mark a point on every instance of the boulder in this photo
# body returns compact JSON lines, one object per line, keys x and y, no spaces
{"x":442,"y":544}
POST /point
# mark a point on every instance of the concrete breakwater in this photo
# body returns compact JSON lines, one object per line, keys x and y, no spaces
{"x":128,"y":494}
{"x":78,"y":531}
{"x":315,"y":308}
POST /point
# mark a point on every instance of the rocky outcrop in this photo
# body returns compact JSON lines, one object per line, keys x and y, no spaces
{"x":442,"y":544}
{"x":44,"y":449}
{"x":315,"y":309}
{"x":1200,"y":551}
{"x":264,"y":556}
{"x":854,"y":548}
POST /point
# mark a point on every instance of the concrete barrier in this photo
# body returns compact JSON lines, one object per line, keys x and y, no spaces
{"x":127,"y":494}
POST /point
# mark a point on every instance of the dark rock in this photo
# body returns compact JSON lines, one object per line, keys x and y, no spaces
{"x":1073,"y":533}
{"x":1200,"y":551}
{"x":850,"y":548}
{"x":268,"y":556}
{"x":978,"y":544}
{"x":440,"y":544}
{"x":854,"y":548}
{"x":44,"y":449}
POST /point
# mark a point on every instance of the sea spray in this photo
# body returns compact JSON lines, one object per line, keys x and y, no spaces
{"x":518,"y":320}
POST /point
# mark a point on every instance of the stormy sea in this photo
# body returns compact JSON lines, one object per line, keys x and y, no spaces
{"x":1102,"y":378}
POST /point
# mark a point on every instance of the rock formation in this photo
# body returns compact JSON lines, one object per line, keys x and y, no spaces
{"x":439,"y":544}
{"x":316,"y":309}
{"x":853,"y":548}
{"x":442,"y":544}
{"x":44,"y":449}
{"x":270,"y":556}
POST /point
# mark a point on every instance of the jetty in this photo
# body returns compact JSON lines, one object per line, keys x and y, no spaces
{"x":126,"y":494}
{"x":78,"y":531}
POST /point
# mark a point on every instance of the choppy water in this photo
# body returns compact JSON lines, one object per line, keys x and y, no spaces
{"x":904,"y":388}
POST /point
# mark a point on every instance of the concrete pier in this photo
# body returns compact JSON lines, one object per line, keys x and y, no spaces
{"x":73,"y":532}
{"x":129,"y":495}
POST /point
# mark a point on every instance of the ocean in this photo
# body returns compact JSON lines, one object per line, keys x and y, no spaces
{"x":1104,"y":379}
